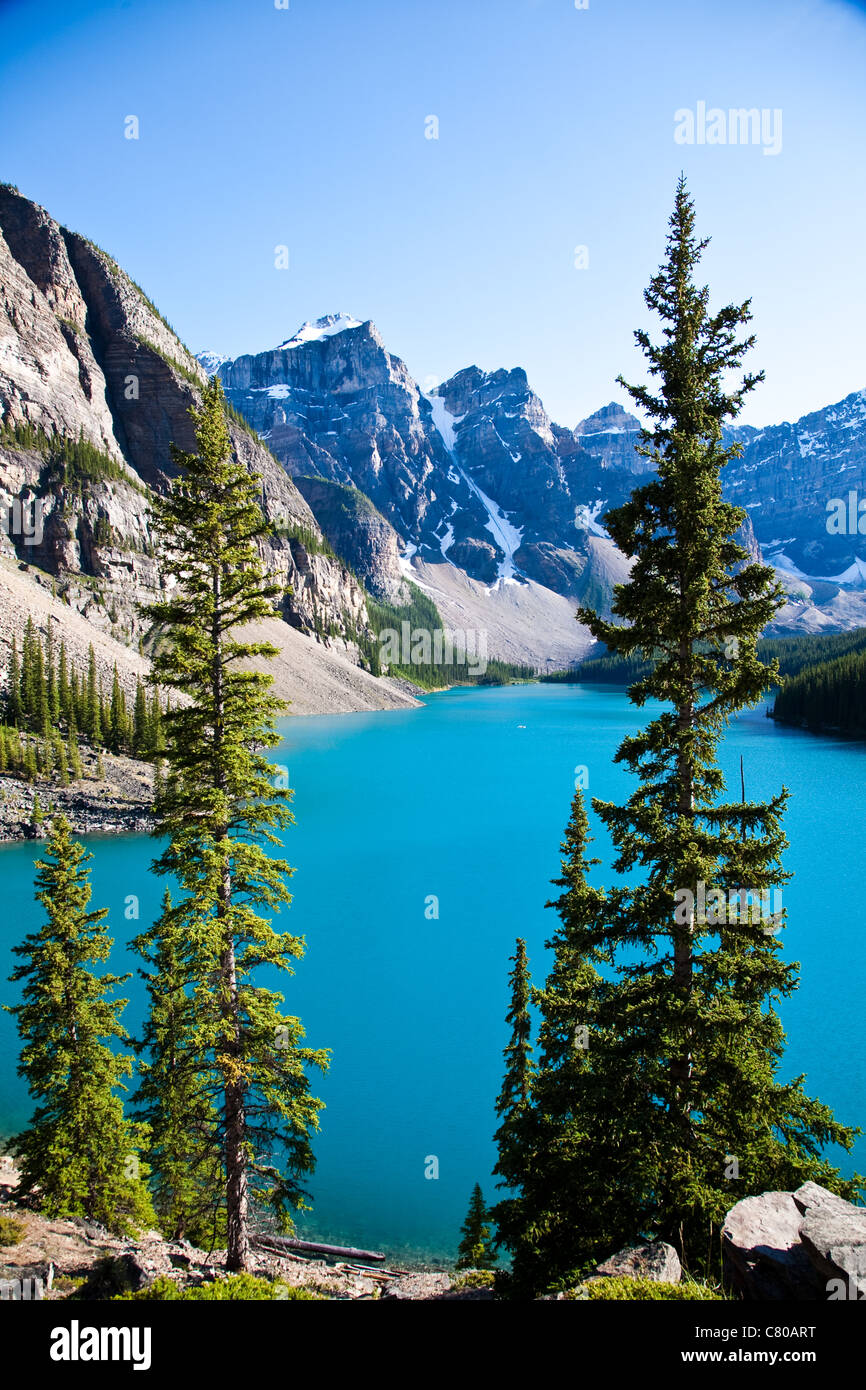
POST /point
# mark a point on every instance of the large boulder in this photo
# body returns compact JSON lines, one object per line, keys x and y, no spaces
{"x":762,"y":1250}
{"x":657,"y":1261}
{"x":792,"y":1245}
{"x":833,"y":1233}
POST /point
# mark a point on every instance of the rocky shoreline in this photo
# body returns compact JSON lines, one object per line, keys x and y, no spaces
{"x":117,"y":803}
{"x":82,"y":1259}
{"x":805,"y":1246}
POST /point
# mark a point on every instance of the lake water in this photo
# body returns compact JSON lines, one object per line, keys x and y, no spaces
{"x":466,"y":800}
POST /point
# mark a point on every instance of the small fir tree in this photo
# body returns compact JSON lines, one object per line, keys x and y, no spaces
{"x":80,"y":1156}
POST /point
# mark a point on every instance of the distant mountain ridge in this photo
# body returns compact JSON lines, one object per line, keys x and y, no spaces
{"x":474,"y":475}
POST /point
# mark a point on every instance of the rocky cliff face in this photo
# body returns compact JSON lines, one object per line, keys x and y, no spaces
{"x":94,"y":386}
{"x":476,"y":475}
{"x":332,"y":402}
{"x":360,"y":535}
{"x":786,"y":476}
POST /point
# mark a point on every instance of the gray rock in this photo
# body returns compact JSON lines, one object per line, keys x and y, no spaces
{"x":785,"y":1245}
{"x":834,"y":1237}
{"x":762,"y":1250}
{"x":657,"y":1261}
{"x":810,"y":1197}
{"x":418,"y":1286}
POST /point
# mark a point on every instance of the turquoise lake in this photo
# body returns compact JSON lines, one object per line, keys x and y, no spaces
{"x":467,"y":799}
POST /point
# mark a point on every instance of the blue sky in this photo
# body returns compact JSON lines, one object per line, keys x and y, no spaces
{"x":305,"y":127}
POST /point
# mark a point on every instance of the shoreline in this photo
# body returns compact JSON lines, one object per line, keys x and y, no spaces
{"x":118,"y":803}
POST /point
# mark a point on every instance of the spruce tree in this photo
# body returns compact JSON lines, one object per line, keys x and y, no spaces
{"x":30,"y":676}
{"x":118,"y":719}
{"x":53,"y":689}
{"x":80,"y":1156}
{"x":141,"y":738}
{"x":512,"y":1105}
{"x":92,"y":724}
{"x":579,"y":1176}
{"x":475,"y":1250}
{"x":64,"y":693}
{"x":220,"y":810}
{"x":14,"y":708}
{"x":690,"y":1007}
{"x":516,"y":1087}
{"x":172,"y":1097}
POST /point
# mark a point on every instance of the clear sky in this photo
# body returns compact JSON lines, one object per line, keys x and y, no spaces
{"x":305,"y":127}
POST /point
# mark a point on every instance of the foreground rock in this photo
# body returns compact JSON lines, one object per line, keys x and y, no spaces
{"x":804,"y":1245}
{"x":657,"y":1261}
{"x":425,"y":1286}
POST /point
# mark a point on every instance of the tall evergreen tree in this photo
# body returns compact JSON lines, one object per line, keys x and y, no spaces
{"x":118,"y":719}
{"x":53,"y":689}
{"x":141,"y":736}
{"x":14,"y":708}
{"x":31,"y":675}
{"x":172,"y":1097}
{"x":219,"y":809}
{"x":80,"y":1156}
{"x":64,"y":694}
{"x":475,"y":1250}
{"x":512,"y":1105}
{"x":92,"y":724}
{"x":691,"y":1005}
{"x":579,"y":1178}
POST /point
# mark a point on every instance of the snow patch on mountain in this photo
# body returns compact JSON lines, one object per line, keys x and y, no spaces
{"x":506,"y":536}
{"x":405,"y":561}
{"x":586,"y":518}
{"x":212,"y":361}
{"x":445,"y":422}
{"x":324,"y":327}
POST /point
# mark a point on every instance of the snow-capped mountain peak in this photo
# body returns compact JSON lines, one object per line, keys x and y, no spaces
{"x":324,"y":327}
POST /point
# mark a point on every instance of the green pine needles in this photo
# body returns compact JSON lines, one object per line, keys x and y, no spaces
{"x":475,"y":1250}
{"x":184,"y":1155}
{"x":657,"y":1103}
{"x":80,"y":1156}
{"x":220,"y":808}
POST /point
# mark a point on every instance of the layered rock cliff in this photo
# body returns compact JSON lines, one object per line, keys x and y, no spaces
{"x":94,"y":386}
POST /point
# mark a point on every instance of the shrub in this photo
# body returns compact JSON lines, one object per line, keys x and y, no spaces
{"x":12,"y":1231}
{"x":475,"y":1279}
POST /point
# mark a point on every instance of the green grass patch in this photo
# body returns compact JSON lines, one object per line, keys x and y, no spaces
{"x":232,"y":1288}
{"x":622,"y":1289}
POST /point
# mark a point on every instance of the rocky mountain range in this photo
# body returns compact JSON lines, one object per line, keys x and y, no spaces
{"x":469,"y":490}
{"x":496,"y":509}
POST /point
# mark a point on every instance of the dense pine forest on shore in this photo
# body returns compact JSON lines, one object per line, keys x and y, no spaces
{"x":50,"y":708}
{"x":823,"y":678}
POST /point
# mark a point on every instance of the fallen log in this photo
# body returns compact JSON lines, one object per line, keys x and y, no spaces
{"x":311,"y":1247}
